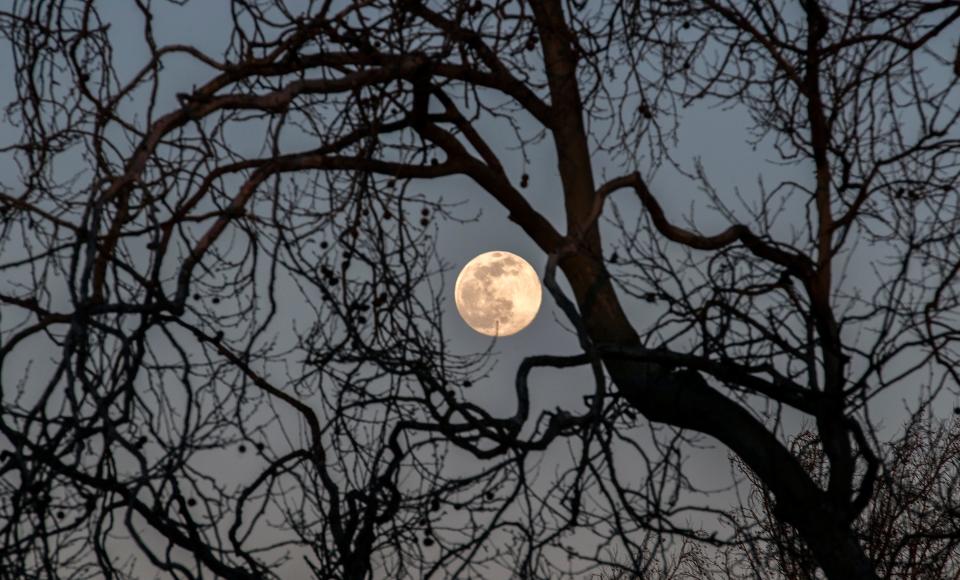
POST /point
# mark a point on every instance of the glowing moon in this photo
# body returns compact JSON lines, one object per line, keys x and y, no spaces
{"x":498,"y":293}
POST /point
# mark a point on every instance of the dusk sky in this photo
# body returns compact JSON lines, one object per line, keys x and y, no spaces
{"x":713,"y":136}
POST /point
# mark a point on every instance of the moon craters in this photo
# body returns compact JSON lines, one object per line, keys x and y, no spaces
{"x":498,"y":293}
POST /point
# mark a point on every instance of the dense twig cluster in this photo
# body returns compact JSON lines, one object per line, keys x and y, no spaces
{"x":248,"y":267}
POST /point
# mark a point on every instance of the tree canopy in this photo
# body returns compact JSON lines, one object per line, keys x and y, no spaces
{"x":242,"y":260}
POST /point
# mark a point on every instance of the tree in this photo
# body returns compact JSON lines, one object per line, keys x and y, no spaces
{"x":907,"y":529}
{"x":150,"y":251}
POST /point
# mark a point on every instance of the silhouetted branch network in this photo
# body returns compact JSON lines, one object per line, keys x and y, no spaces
{"x":222,"y":349}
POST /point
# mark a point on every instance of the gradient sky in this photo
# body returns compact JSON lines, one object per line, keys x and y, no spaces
{"x":716,"y":137}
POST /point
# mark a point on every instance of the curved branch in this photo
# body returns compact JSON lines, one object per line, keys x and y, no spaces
{"x":795,"y":263}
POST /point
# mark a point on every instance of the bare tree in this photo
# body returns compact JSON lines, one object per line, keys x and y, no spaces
{"x":909,"y":526}
{"x":155,"y":236}
{"x":908,"y":529}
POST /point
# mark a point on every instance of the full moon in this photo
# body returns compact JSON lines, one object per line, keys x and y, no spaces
{"x":498,"y":293}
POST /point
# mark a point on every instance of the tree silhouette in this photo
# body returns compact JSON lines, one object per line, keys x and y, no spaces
{"x":245,"y":267}
{"x":907,"y":530}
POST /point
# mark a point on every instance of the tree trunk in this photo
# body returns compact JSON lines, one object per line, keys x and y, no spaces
{"x":684,"y":399}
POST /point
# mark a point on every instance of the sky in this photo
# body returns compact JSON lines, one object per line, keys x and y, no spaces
{"x":715,"y":137}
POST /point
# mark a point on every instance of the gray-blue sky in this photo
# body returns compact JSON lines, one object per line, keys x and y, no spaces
{"x":715,"y":137}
